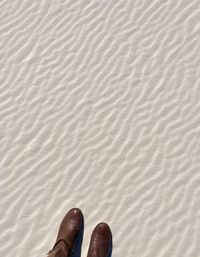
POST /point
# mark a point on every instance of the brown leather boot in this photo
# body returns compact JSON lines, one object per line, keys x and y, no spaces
{"x":69,"y":236}
{"x":101,"y":241}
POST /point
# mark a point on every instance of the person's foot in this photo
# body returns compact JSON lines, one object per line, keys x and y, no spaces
{"x":101,"y":241}
{"x":69,"y":238}
{"x":68,"y":232}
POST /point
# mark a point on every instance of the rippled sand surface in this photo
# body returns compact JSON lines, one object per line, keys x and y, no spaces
{"x":100,"y":109}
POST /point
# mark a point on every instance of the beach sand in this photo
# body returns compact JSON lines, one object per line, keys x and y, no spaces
{"x":99,"y":109}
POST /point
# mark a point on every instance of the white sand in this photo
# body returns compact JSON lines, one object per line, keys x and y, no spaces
{"x":100,"y":109}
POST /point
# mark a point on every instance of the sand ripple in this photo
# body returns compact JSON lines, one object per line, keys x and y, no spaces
{"x":99,"y":109}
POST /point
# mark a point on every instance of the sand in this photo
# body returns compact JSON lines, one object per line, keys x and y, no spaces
{"x":100,"y":109}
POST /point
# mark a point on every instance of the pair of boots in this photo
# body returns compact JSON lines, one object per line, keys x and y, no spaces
{"x":70,"y":236}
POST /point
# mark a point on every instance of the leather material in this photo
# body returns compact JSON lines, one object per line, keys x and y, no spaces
{"x":101,"y":241}
{"x":70,"y":236}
